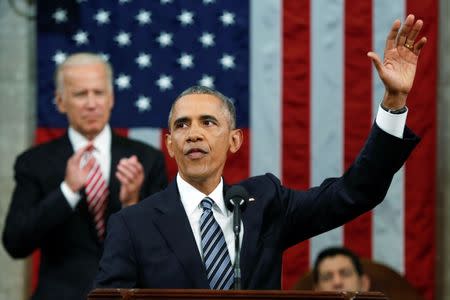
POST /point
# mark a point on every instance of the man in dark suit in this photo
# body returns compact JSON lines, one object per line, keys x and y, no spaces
{"x":170,"y":239}
{"x":67,"y":188}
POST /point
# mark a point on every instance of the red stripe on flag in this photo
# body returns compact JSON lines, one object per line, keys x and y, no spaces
{"x":43,"y":135}
{"x":420,"y":169}
{"x":121,"y":131}
{"x":237,"y":166}
{"x":358,"y":107}
{"x":296,"y":119}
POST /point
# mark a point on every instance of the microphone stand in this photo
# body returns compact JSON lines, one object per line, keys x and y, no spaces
{"x":237,"y":248}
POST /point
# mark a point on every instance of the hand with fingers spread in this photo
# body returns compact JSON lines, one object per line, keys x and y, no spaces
{"x":76,"y":173}
{"x":401,"y":54}
{"x":130,"y":173}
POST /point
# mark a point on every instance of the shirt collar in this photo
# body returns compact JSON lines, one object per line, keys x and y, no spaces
{"x":191,"y":197}
{"x":102,"y":142}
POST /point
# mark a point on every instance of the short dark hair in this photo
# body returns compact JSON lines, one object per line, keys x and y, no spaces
{"x":198,"y":89}
{"x":334,"y":251}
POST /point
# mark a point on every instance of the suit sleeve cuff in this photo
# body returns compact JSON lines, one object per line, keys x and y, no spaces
{"x":393,"y":124}
{"x":72,"y":197}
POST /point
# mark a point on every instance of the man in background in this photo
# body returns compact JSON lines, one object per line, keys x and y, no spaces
{"x":339,"y":269}
{"x":67,"y":188}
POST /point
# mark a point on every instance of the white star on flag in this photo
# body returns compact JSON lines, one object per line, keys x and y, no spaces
{"x":143,"y":103}
{"x":186,"y":61}
{"x":123,"y":39}
{"x":60,"y":15}
{"x":164,"y":82}
{"x":144,"y":60}
{"x":102,"y":17}
{"x":164,"y":39}
{"x":123,"y":82}
{"x":207,"y":81}
{"x":208,"y":1}
{"x":59,"y":57}
{"x":104,"y":56}
{"x":81,"y":37}
{"x":166,"y":1}
{"x":186,"y":17}
{"x":207,"y":39}
{"x":227,"y":61}
{"x":124,"y":1}
{"x":227,"y":18}
{"x":144,"y":17}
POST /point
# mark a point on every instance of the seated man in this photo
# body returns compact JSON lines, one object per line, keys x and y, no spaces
{"x":339,"y":269}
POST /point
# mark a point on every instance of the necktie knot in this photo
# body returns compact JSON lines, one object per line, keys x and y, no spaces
{"x":207,"y":203}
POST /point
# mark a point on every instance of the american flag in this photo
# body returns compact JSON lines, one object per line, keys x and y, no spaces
{"x":305,"y":92}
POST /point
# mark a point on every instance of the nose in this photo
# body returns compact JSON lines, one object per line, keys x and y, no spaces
{"x":91,"y":100}
{"x":194,"y":133}
{"x":338,"y":283}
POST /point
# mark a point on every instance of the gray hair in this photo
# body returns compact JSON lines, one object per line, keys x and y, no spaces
{"x":198,"y":89}
{"x":79,"y":59}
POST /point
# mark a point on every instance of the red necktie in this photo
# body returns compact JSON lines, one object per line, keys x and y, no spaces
{"x":96,"y":194}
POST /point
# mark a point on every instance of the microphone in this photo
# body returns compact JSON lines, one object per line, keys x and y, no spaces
{"x":236,"y":199}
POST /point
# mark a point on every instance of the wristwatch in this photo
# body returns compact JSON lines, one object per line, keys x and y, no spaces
{"x":394,"y":111}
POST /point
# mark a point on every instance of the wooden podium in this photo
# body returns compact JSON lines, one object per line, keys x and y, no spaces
{"x":179,"y":294}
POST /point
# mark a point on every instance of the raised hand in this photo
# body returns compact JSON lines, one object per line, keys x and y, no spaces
{"x":130,"y":173}
{"x":76,"y":172}
{"x":398,"y":69}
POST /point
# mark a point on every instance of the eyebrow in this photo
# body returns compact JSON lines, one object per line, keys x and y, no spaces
{"x":208,"y":117}
{"x":202,"y":118}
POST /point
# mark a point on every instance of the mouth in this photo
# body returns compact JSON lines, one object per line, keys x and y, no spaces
{"x":195,"y":153}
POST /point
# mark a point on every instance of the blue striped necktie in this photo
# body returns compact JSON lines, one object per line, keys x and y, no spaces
{"x":215,"y":252}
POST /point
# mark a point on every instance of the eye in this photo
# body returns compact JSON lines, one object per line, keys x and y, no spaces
{"x":326,"y":277}
{"x":79,"y":94}
{"x":209,"y":123}
{"x":180,"y":125}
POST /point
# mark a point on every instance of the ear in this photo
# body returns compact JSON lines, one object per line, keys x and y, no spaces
{"x":365,"y":283}
{"x":169,"y":144}
{"x":59,"y":102}
{"x":236,"y":139}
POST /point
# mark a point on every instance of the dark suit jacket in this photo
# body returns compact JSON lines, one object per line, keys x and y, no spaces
{"x":151,"y":245}
{"x":40,"y":217}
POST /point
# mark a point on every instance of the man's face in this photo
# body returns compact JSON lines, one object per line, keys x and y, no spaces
{"x":86,"y":98}
{"x":337,"y":273}
{"x":200,"y":137}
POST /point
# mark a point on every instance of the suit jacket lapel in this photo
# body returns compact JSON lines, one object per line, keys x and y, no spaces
{"x":173,"y":223}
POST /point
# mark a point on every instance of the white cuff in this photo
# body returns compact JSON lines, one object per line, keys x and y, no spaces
{"x":394,"y":124}
{"x":72,"y":197}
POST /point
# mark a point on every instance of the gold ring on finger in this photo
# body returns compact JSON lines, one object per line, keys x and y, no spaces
{"x":409,"y":46}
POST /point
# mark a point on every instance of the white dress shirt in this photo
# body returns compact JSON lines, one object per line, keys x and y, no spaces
{"x":393,"y":124}
{"x":101,"y":152}
{"x":191,"y":198}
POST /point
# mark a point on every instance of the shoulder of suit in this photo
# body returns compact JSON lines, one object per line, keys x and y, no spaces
{"x":143,"y":207}
{"x":261,"y":179}
{"x":45,"y":149}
